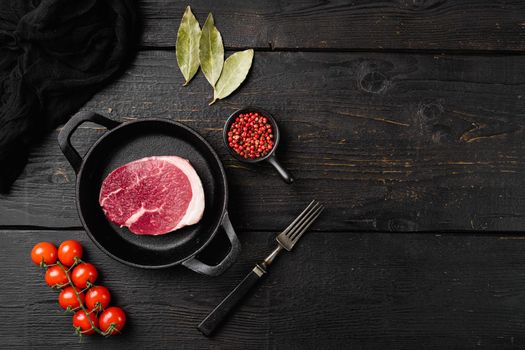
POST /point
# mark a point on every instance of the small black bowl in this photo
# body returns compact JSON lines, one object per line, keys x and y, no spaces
{"x":270,"y":157}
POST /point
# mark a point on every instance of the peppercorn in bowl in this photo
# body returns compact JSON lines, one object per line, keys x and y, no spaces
{"x":251,"y":135}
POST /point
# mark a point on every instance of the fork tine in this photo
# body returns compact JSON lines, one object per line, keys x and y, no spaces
{"x":299,"y":222}
{"x":300,"y":234}
{"x":305,"y":218}
{"x":306,"y":224}
{"x":298,"y":218}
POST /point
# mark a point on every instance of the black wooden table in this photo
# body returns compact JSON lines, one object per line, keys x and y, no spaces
{"x":406,"y":118}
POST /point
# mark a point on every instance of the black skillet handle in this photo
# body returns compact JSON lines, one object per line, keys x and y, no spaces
{"x":64,"y":137}
{"x":200,"y":267}
{"x":217,"y":316}
{"x":285,"y":174}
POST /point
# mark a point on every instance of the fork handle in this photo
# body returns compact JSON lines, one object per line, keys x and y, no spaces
{"x":215,"y":318}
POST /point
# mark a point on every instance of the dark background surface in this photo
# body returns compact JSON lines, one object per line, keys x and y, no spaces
{"x":406,"y":118}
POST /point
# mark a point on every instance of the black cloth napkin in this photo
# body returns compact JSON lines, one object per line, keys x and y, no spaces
{"x":54,"y":55}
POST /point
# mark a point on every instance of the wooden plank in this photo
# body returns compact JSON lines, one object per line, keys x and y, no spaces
{"x":389,"y":142}
{"x":363,"y":291}
{"x":377,"y":25}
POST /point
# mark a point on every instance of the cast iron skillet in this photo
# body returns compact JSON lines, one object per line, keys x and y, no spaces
{"x":125,"y":142}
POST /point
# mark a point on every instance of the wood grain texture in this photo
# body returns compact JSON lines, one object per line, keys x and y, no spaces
{"x":391,"y":134}
{"x":366,"y":291}
{"x":378,"y":25}
{"x":388,"y":142}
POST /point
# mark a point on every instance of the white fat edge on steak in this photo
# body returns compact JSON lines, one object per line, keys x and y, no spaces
{"x":195,"y":208}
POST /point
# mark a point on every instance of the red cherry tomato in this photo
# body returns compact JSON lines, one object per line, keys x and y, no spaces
{"x":112,"y":316}
{"x":67,"y":297}
{"x":81,"y":322}
{"x":97,"y":295}
{"x":68,"y":250}
{"x":83,"y":273}
{"x":44,"y":251}
{"x":56,"y":276}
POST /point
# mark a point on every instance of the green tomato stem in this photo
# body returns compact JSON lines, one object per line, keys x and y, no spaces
{"x":77,"y":261}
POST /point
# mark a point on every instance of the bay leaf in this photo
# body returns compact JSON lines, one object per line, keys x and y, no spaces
{"x":187,"y":47}
{"x":211,"y":51}
{"x":235,"y":70}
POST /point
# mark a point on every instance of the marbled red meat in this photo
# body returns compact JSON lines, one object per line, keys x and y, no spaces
{"x":153,"y":195}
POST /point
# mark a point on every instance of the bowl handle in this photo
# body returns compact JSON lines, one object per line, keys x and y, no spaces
{"x":64,"y":137}
{"x":285,"y":174}
{"x":200,"y":267}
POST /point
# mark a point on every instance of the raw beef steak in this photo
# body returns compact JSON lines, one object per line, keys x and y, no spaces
{"x":153,"y":195}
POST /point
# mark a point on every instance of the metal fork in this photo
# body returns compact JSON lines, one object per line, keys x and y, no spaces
{"x":285,"y":240}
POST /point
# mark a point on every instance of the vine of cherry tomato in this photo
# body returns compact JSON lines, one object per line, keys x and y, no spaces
{"x":78,"y":293}
{"x":44,"y":253}
{"x":70,"y":299}
{"x":82,"y":323}
{"x":98,"y":297}
{"x":112,"y":320}
{"x":56,"y":276}
{"x":68,"y":251}
{"x":84,"y":274}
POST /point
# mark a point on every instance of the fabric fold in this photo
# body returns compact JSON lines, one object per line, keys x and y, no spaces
{"x":54,"y":55}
